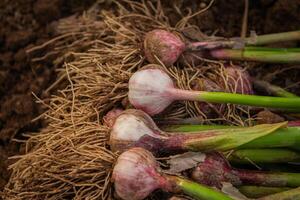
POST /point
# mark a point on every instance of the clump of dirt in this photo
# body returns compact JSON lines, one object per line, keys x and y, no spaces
{"x":24,"y":24}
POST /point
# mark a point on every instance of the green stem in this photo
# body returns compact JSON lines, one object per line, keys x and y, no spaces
{"x":260,"y":191}
{"x":273,"y":38}
{"x":282,"y":137}
{"x":199,"y":191}
{"x":289,"y":104}
{"x":245,"y":156}
{"x":273,"y":89}
{"x":259,"y":54}
{"x":293,"y":194}
{"x":251,"y":100}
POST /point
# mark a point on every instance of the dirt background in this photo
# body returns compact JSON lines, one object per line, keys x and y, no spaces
{"x":26,"y":23}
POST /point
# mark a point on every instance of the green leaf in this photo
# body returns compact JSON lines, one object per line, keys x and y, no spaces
{"x":227,"y":139}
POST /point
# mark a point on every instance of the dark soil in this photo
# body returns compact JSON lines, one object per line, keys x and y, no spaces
{"x":25,"y":23}
{"x":265,"y":16}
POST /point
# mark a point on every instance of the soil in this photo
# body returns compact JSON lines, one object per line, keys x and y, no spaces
{"x":26,"y":23}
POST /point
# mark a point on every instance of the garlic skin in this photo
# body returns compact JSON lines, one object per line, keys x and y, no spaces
{"x":135,"y":174}
{"x":129,"y":127}
{"x":238,"y":80}
{"x":110,"y":117}
{"x":166,"y":46}
{"x":149,"y":89}
{"x":214,"y":170}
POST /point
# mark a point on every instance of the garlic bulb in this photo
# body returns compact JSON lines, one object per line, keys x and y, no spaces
{"x":135,"y":175}
{"x":130,"y":127}
{"x":163,"y":46}
{"x":149,"y":89}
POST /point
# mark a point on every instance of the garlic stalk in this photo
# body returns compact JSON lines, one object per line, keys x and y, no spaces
{"x":135,"y":128}
{"x":152,"y":90}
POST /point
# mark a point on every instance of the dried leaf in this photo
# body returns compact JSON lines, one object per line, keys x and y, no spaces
{"x":185,"y":161}
{"x":233,"y":192}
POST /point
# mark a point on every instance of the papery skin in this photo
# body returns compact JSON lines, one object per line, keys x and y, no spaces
{"x":166,"y":46}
